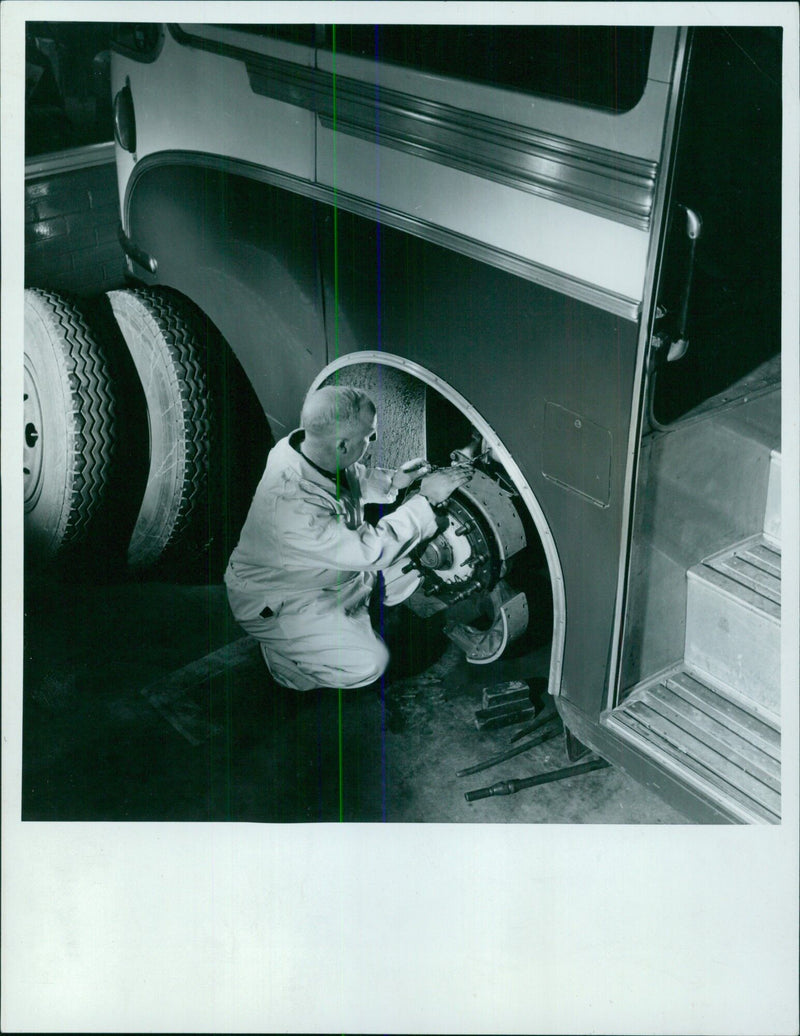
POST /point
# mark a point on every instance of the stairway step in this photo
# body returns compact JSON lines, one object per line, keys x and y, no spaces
{"x":690,"y":724}
{"x":733,"y":618}
{"x":772,"y":510}
{"x":758,"y":416}
{"x":716,"y":737}
{"x":754,"y":565}
{"x":764,"y":555}
{"x":725,"y":711}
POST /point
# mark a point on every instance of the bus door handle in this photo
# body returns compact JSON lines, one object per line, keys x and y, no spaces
{"x":670,"y":345}
{"x":694,"y":228}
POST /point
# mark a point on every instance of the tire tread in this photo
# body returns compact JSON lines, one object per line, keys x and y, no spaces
{"x":178,"y":324}
{"x":92,"y":418}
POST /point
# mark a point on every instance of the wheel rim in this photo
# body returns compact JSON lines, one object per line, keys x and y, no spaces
{"x":33,"y":446}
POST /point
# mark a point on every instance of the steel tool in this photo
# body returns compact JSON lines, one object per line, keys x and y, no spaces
{"x":518,"y":784}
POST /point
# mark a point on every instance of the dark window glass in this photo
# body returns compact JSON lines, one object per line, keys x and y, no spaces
{"x":602,"y":66}
{"x":728,"y":171}
{"x":67,"y":85}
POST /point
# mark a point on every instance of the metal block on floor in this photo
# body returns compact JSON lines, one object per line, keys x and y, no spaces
{"x":504,"y":704}
{"x":503,"y":693}
{"x":503,"y":716}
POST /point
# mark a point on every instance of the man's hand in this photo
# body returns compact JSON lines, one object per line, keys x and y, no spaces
{"x":438,"y":486}
{"x":409,"y":472}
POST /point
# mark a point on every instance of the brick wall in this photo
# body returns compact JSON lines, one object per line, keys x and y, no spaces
{"x":71,"y":224}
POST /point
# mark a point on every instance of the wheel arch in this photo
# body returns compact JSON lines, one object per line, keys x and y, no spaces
{"x":427,"y":377}
{"x":244,"y":251}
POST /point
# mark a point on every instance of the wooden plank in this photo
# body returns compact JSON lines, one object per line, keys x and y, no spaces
{"x":183,"y":697}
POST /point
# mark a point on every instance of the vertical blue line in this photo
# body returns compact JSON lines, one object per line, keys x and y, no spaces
{"x":336,"y":357}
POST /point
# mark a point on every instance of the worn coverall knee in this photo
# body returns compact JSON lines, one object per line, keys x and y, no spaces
{"x":303,"y":652}
{"x":301,"y":576}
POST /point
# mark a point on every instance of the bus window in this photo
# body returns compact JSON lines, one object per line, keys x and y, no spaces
{"x":600,"y":66}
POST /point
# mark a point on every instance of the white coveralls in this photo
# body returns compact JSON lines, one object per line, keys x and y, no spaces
{"x":307,"y":555}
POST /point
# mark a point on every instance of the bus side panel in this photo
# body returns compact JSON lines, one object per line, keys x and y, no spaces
{"x":246,"y":254}
{"x":553,"y":376}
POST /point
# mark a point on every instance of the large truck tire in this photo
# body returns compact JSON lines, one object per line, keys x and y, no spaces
{"x":167,"y":340}
{"x":70,"y":415}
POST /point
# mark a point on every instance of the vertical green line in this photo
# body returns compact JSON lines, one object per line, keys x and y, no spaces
{"x":336,"y":379}
{"x":335,"y":235}
{"x":341,"y":762}
{"x":335,"y":210}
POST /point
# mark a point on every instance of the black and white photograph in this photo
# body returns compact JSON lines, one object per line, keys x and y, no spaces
{"x":406,"y":397}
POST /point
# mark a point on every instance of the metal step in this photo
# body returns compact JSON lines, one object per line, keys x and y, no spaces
{"x":733,"y":618}
{"x":772,"y":510}
{"x":755,"y":564}
{"x":692,"y":727}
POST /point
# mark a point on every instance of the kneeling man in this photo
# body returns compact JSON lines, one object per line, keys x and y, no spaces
{"x":300,"y":578}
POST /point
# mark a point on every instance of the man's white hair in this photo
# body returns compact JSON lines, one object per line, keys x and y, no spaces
{"x":333,"y":408}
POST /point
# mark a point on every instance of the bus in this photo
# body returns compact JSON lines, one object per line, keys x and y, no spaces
{"x":551,"y":251}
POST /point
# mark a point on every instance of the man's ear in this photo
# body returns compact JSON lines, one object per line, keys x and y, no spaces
{"x":342,"y":445}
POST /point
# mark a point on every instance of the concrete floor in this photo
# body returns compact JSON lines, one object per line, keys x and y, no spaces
{"x":142,"y":701}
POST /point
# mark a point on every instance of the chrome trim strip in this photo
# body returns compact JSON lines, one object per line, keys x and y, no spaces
{"x":583,"y":291}
{"x":586,"y":177}
{"x":593,"y":179}
{"x":540,"y":170}
{"x":72,"y":158}
{"x":632,"y":489}
{"x":508,"y":462}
